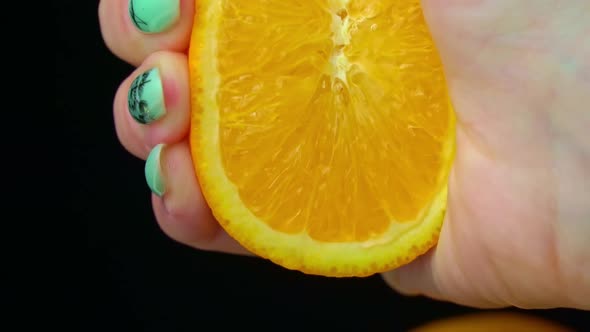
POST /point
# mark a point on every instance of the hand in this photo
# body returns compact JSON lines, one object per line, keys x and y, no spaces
{"x":518,"y":224}
{"x":519,"y":202}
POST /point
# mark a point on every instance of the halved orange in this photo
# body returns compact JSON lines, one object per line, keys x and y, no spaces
{"x":322,"y":133}
{"x":481,"y":321}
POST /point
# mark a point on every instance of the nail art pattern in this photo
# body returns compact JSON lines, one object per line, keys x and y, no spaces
{"x":141,"y":24}
{"x":138,"y":106}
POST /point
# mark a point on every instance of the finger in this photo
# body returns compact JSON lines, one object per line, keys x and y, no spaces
{"x":179,"y":206}
{"x":152,"y":105}
{"x":133,"y":29}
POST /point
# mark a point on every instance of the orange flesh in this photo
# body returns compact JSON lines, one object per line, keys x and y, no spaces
{"x":333,"y":120}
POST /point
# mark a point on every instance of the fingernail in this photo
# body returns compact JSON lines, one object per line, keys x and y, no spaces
{"x":146,"y":97}
{"x":153,"y":171}
{"x":153,"y":16}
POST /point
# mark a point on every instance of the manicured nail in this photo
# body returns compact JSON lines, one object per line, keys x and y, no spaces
{"x":153,"y":16}
{"x":146,"y":97}
{"x":153,"y":171}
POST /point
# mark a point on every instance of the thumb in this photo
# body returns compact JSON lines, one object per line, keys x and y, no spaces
{"x":416,"y":278}
{"x":438,"y":275}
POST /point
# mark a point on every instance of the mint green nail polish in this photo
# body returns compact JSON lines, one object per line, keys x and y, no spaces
{"x":146,"y":97}
{"x":153,"y":16}
{"x":153,"y":171}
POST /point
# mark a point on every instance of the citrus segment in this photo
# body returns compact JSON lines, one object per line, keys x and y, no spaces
{"x":322,"y":133}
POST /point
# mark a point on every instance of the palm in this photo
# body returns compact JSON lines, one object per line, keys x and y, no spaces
{"x":519,"y":84}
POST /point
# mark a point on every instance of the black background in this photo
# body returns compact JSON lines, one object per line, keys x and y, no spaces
{"x":140,"y":280}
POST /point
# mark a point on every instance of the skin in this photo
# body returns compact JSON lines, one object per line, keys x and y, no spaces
{"x":519,"y":211}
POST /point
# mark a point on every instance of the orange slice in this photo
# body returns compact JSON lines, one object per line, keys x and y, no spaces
{"x":322,"y":133}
